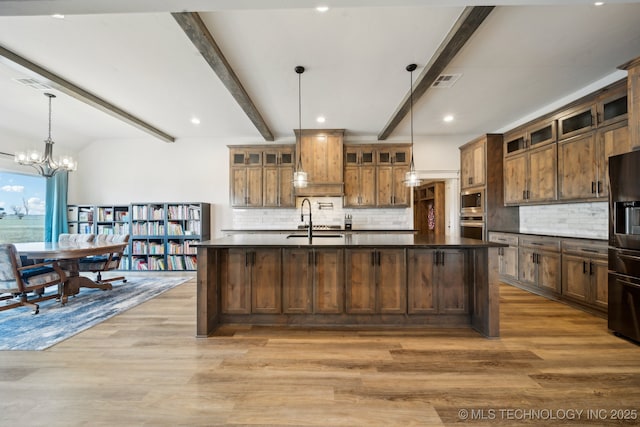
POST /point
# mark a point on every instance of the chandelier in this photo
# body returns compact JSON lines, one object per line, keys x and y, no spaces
{"x":44,"y":163}
{"x":411,"y":178}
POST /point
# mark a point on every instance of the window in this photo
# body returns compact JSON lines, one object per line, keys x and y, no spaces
{"x":22,"y":207}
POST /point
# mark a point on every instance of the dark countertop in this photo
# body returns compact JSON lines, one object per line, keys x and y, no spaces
{"x":346,"y":241}
{"x":329,"y":231}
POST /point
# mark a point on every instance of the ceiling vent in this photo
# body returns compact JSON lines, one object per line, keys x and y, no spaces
{"x":33,"y":83}
{"x":446,"y":80}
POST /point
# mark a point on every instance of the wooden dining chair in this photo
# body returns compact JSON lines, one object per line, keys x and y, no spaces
{"x":106,"y":262}
{"x":18,"y":281}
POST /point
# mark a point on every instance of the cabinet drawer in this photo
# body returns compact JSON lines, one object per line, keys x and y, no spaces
{"x":508,"y":239}
{"x":588,"y":249}
{"x":541,"y":243}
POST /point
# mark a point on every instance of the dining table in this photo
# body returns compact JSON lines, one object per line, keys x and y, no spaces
{"x":68,"y":255}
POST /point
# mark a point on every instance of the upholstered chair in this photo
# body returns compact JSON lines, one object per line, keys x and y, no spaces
{"x":107,"y":262}
{"x":73,"y":238}
{"x":17,"y":281}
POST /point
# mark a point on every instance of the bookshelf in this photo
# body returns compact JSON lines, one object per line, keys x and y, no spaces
{"x":80,"y":219}
{"x":161,"y":234}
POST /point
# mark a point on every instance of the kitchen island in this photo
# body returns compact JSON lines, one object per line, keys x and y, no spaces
{"x":348,"y":280}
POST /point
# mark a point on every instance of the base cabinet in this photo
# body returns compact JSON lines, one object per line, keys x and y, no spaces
{"x":313,"y":281}
{"x":585,"y":273}
{"x":375,"y":281}
{"x":507,"y":257}
{"x":436,"y":283}
{"x":539,"y":259}
{"x":251,"y":281}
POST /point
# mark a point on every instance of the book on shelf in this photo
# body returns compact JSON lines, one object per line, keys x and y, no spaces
{"x":85,"y":215}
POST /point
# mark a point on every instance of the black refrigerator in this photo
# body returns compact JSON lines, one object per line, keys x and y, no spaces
{"x":624,"y":243}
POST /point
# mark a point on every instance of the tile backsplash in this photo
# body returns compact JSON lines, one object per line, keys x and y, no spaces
{"x":587,"y":220}
{"x":325,"y":211}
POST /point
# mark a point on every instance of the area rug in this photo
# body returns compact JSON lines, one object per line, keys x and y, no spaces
{"x":21,"y":330}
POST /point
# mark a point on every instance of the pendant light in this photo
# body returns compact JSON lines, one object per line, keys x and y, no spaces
{"x":411,"y":178}
{"x":44,"y":163}
{"x":299,"y":176}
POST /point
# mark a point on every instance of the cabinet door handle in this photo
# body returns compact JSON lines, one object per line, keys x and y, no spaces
{"x":309,"y":257}
{"x":373,"y":258}
{"x":470,"y":180}
{"x":435,"y":258}
{"x":593,"y":187}
{"x":599,"y":187}
{"x":524,"y":194}
{"x":253,"y":258}
{"x":246,"y":259}
{"x":584,"y":267}
{"x":590,"y":269}
{"x":378,"y":257}
{"x":441,"y":257}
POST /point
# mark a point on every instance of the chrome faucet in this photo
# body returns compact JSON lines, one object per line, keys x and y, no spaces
{"x":310,"y":231}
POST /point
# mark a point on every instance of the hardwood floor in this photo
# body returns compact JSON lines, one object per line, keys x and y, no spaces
{"x":145,"y":367}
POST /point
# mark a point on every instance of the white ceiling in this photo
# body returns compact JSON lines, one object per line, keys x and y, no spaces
{"x":134,"y":55}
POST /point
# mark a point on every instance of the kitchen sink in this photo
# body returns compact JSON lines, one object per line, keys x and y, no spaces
{"x":322,"y":236}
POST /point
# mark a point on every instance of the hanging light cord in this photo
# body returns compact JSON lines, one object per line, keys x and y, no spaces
{"x":49,"y":138}
{"x":299,"y":166}
{"x":411,"y":114}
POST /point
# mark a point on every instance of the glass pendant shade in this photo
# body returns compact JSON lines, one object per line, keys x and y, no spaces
{"x":411,"y":179}
{"x":44,"y":163}
{"x":300,"y":179}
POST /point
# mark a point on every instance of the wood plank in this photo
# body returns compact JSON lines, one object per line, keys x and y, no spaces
{"x":468,"y":22}
{"x":201,"y":37}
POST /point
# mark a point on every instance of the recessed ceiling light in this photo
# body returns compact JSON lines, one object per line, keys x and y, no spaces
{"x":598,"y":3}
{"x":448,"y":118}
{"x":321,"y":119}
{"x":322,"y":8}
{"x":57,"y":16}
{"x":195,"y":120}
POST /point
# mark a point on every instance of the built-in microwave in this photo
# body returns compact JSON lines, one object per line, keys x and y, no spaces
{"x":472,"y":202}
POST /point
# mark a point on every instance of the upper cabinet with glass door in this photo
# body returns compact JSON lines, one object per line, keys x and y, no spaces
{"x":607,"y":107}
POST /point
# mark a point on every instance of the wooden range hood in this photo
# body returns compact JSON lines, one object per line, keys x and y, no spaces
{"x":321,"y":153}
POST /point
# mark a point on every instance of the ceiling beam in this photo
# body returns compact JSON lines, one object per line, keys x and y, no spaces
{"x":199,"y":34}
{"x":470,"y":19}
{"x":14,"y":60}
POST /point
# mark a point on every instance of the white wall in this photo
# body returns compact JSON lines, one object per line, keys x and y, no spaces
{"x":149,"y":170}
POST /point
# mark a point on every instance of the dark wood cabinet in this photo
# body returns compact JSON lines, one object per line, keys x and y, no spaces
{"x":251,"y":281}
{"x":278,"y":177}
{"x":473,"y":164}
{"x":436,"y":283}
{"x":321,"y":152}
{"x":539,"y":263}
{"x":375,"y":281}
{"x":531,"y":176}
{"x":261,"y":176}
{"x":507,"y":257}
{"x":313,"y":281}
{"x":245,"y":177}
{"x":374,"y":175}
{"x":633,"y":101}
{"x":583,"y":162}
{"x":585,"y":273}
